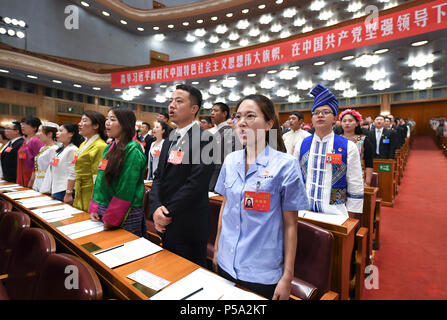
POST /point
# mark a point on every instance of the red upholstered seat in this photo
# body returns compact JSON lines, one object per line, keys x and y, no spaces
{"x":11,"y":226}
{"x":313,"y":262}
{"x":33,"y":247}
{"x":66,"y":277}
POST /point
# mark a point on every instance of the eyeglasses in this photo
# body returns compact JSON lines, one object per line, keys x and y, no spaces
{"x":323,"y":112}
{"x":249,"y":118}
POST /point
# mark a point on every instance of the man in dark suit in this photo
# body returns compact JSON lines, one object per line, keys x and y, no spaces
{"x":9,"y":155}
{"x":179,"y":204}
{"x":146,"y":138}
{"x":383,"y":140}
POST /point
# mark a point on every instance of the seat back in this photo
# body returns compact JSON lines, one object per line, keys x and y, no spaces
{"x":33,"y":247}
{"x":66,"y":277}
{"x":313,"y":262}
{"x":214,"y":221}
{"x":375,"y":180}
{"x":11,"y":226}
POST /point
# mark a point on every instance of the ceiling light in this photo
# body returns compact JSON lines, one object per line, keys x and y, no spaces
{"x":20,"y":34}
{"x":79,"y":86}
{"x":381,"y":51}
{"x":422,"y":74}
{"x":350,"y":93}
{"x":325,"y":15}
{"x":15,"y":21}
{"x":331,"y":22}
{"x":267,"y":84}
{"x":281,"y":92}
{"x":170,"y":26}
{"x":264,"y":38}
{"x":347,"y":58}
{"x":288,"y":74}
{"x":186,"y":23}
{"x":200,"y":32}
{"x":2,"y":30}
{"x":317,"y":5}
{"x":319,"y":63}
{"x":294,"y":68}
{"x":11,"y":32}
{"x":22,"y":23}
{"x":160,"y":98}
{"x":221,"y":29}
{"x":195,"y":82}
{"x":225,"y":45}
{"x":265,"y":19}
{"x":248,"y":91}
{"x":57,"y":81}
{"x":105,"y":13}
{"x":304,"y":84}
{"x":276,"y":28}
{"x":85,"y":4}
{"x":229,"y":83}
{"x":214,"y":90}
{"x":390,"y":5}
{"x":284,"y":34}
{"x":148,"y":88}
{"x":419,"y":43}
{"x":31,"y":76}
{"x":299,"y":22}
{"x":254,"y":32}
{"x":207,"y":105}
{"x":233,"y":36}
{"x":229,"y":15}
{"x":289,"y":13}
{"x":331,"y":75}
{"x":96,"y":88}
{"x":140,"y":29}
{"x":163,"y":86}
{"x":261,"y":6}
{"x":243,"y":24}
{"x":381,"y":84}
{"x":7,"y":20}
{"x":214,"y":18}
{"x":125,"y":22}
{"x":159,"y":37}
{"x":234,"y":97}
{"x":156,"y":28}
{"x":272,"y":71}
{"x":116,"y":90}
{"x":342,"y":85}
{"x":376,"y":74}
{"x":422,"y":85}
{"x":214,"y":39}
{"x":421,"y":60}
{"x":279,"y":1}
{"x":245,"y":11}
{"x":354,"y":6}
{"x":190,"y":38}
{"x":307,"y":29}
{"x":251,"y":75}
{"x":200,"y":45}
{"x":200,"y":21}
{"x":366,"y":60}
{"x":294,"y":98}
{"x":213,"y":80}
{"x":244,"y":42}
{"x":4,"y":71}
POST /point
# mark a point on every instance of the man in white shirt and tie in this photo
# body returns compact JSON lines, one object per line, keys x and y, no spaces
{"x":292,"y":139}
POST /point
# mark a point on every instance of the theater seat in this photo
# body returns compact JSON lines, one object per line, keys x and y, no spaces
{"x":66,"y":277}
{"x":33,"y":247}
{"x":313,"y":262}
{"x":11,"y":226}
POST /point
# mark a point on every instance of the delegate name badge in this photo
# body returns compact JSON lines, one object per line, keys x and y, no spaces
{"x":386,"y":140}
{"x":8,"y":150}
{"x":156,"y":153}
{"x":74,"y":160}
{"x":22,"y":155}
{"x":333,"y":158}
{"x":103,"y":164}
{"x":258,"y":201}
{"x":54,"y":162}
{"x":176,"y":157}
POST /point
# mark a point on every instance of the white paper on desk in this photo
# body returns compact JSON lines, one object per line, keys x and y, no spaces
{"x":323,"y":217}
{"x":11,"y":186}
{"x":235,"y":293}
{"x":22,"y":194}
{"x":65,"y":208}
{"x":80,"y":227}
{"x":148,"y":181}
{"x":212,"y":194}
{"x":36,"y":199}
{"x":42,"y":203}
{"x":128,"y":252}
{"x":214,"y":287}
{"x":148,"y":279}
{"x":10,"y":189}
{"x":86,"y":232}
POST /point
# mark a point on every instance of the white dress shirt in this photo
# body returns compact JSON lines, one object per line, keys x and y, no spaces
{"x":378,"y":136}
{"x":292,"y":139}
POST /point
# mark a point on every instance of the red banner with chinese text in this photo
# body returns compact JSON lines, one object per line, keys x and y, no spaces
{"x":428,"y":17}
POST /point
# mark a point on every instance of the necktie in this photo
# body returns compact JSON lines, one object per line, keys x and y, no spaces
{"x":378,"y":135}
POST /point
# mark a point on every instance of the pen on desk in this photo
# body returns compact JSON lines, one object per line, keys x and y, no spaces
{"x":191,"y":294}
{"x":109,"y":249}
{"x":53,"y":210}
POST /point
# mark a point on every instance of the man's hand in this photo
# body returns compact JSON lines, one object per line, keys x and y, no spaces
{"x":160,"y":220}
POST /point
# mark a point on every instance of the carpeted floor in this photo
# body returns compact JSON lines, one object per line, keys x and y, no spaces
{"x":412,"y":260}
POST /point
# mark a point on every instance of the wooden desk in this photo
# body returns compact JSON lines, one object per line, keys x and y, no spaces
{"x":341,"y":261}
{"x":386,"y":170}
{"x":369,"y":205}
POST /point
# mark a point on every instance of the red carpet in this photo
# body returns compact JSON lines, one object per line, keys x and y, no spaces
{"x":412,"y":260}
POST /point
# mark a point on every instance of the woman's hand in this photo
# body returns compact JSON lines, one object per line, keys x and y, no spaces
{"x":94,"y":216}
{"x":68,"y":198}
{"x":282,"y":290}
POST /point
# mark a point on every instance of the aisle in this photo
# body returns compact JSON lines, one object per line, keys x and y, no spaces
{"x":412,"y":260}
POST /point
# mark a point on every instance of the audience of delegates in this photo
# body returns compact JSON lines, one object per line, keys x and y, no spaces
{"x":330,"y":164}
{"x":256,"y":245}
{"x":206,"y":123}
{"x":383,"y":140}
{"x":119,"y":187}
{"x":28,"y":151}
{"x":47,"y":134}
{"x":3,"y":142}
{"x":164,"y":117}
{"x":13,"y":133}
{"x":295,"y":135}
{"x":351,"y":130}
{"x":145,"y":137}
{"x":87,"y":157}
{"x":60,"y":176}
{"x":160,"y":132}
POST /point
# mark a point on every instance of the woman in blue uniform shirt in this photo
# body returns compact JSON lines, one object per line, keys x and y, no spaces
{"x":255,"y":246}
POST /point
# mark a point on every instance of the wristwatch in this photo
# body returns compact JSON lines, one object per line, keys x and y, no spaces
{"x":69,"y":192}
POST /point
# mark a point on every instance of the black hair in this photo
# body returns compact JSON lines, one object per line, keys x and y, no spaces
{"x":147,"y":125}
{"x":97,"y":119}
{"x":32,"y":121}
{"x":298,"y":114}
{"x":358,"y":129}
{"x":17,"y":126}
{"x":207,"y":119}
{"x":224,"y":108}
{"x":76,"y":139}
{"x":194,"y":94}
{"x":165,"y":114}
{"x":2,"y":133}
{"x":165,"y":127}
{"x":47,"y":130}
